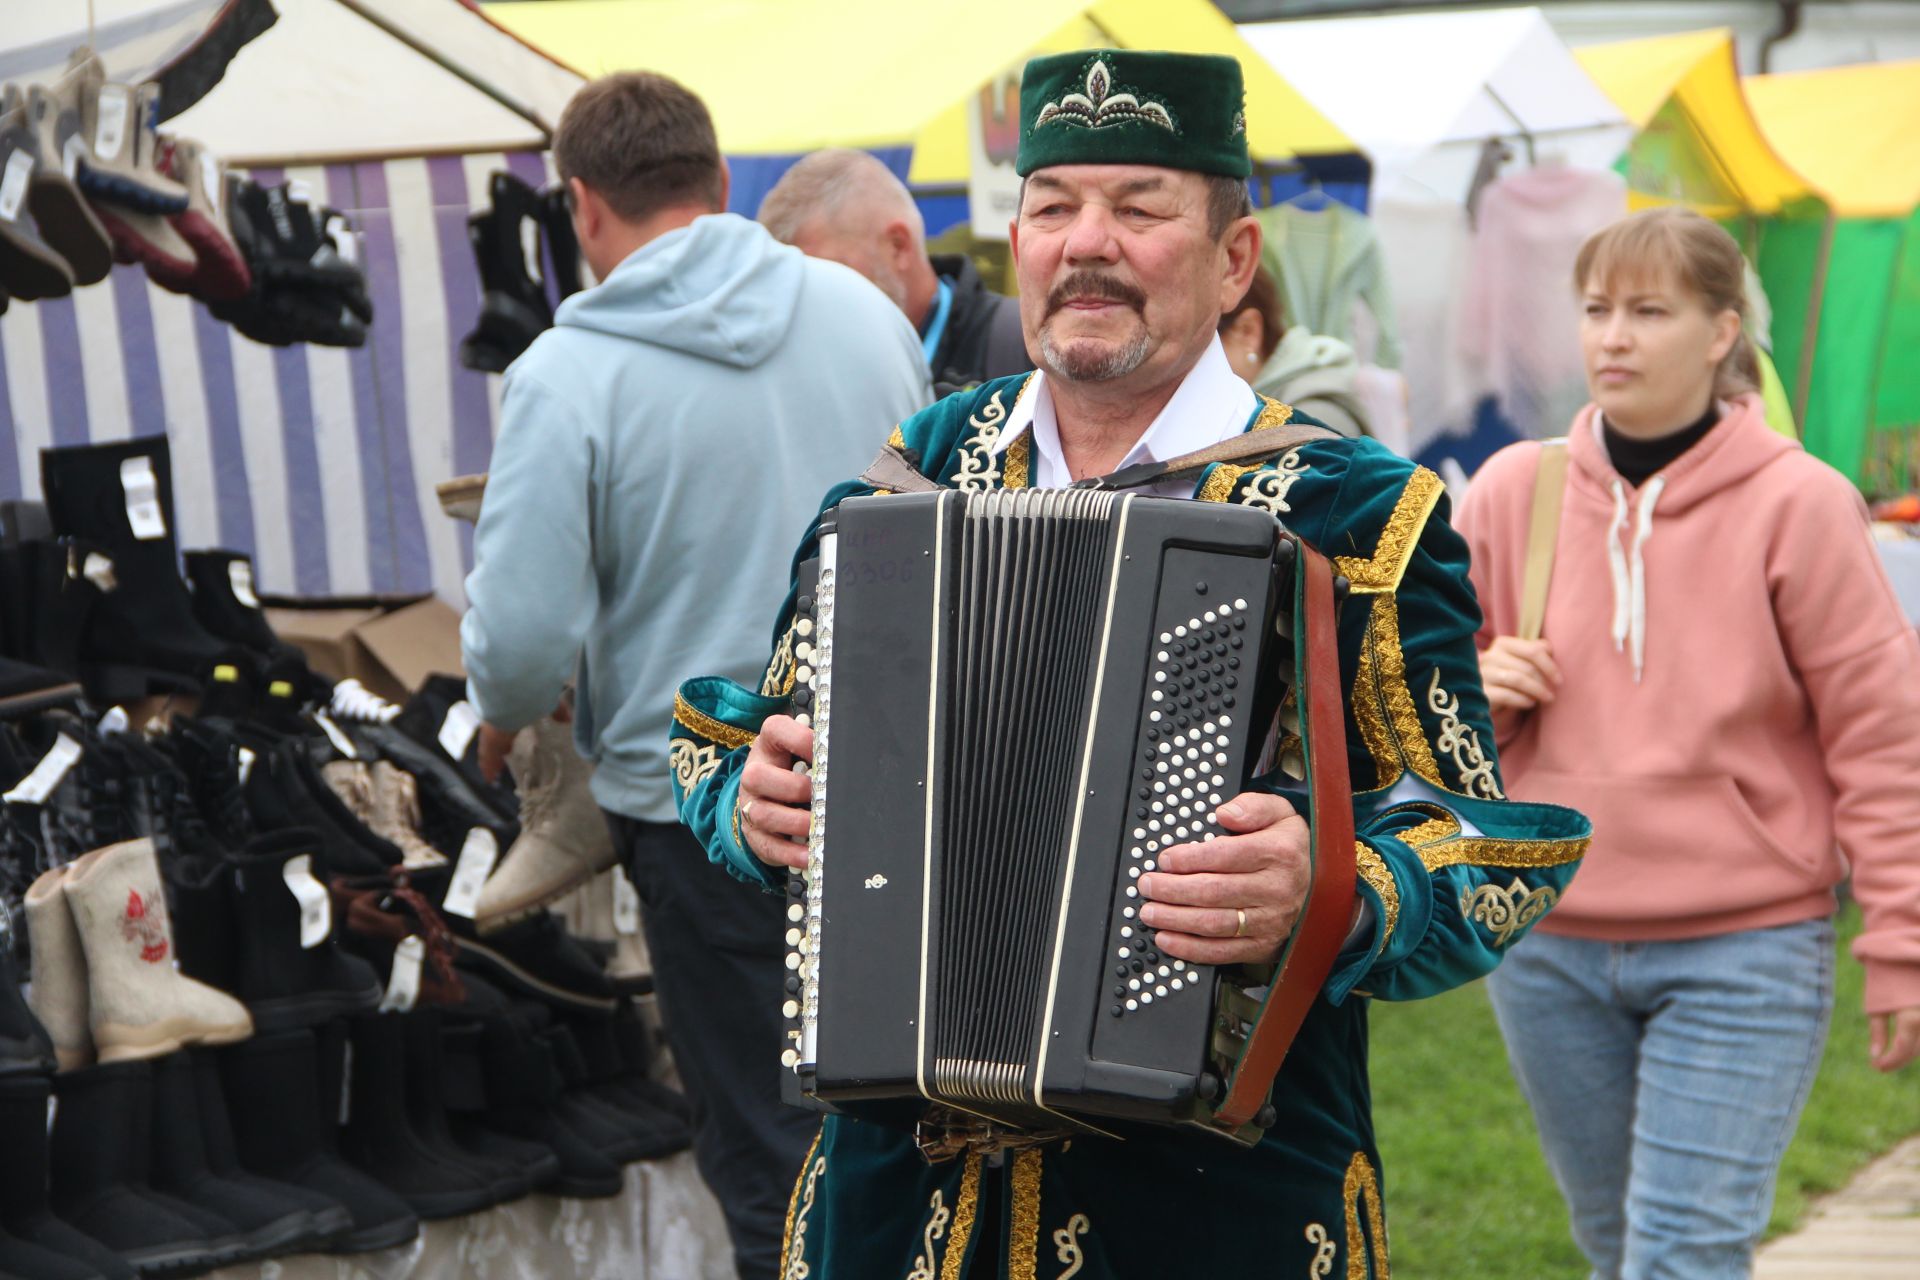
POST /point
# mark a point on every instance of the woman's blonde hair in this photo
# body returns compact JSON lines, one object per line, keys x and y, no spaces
{"x":1678,"y":244}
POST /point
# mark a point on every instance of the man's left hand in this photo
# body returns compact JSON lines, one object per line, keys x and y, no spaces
{"x":1262,"y":867}
{"x":1894,"y":1038}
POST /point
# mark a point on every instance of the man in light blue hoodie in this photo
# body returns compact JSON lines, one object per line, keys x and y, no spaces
{"x":661,"y":451}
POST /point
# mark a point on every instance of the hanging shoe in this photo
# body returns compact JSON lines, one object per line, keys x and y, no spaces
{"x":220,"y":272}
{"x":118,"y":165}
{"x":148,"y":241}
{"x":564,"y":839}
{"x":514,"y":308}
{"x":139,"y":1005}
{"x":563,"y":245}
{"x":59,"y":207}
{"x":30,"y":268}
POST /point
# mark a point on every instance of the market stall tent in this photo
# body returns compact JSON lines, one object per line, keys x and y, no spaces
{"x":1696,"y":141}
{"x":1845,"y":282}
{"x":321,"y":462}
{"x":781,"y":82}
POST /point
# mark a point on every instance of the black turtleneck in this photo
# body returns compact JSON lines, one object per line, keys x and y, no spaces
{"x":1636,"y":460}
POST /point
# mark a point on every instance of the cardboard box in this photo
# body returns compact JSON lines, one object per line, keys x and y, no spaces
{"x":389,"y":645}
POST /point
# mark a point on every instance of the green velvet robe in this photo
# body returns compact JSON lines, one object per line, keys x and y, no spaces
{"x":1453,"y":871}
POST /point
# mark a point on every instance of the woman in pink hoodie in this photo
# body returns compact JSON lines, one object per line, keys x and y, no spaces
{"x":1726,"y":686}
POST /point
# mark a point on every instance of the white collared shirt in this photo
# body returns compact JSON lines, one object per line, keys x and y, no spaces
{"x":1213,"y":403}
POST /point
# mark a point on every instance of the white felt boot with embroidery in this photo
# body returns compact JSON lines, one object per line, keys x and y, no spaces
{"x":564,"y":840}
{"x":140,"y":1006}
{"x":59,"y":994}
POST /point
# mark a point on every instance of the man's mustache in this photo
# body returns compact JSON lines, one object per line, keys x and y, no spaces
{"x":1082,"y":286}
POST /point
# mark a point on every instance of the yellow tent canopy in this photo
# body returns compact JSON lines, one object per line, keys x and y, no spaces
{"x":782,"y":77}
{"x":1685,"y":90}
{"x":1854,"y":131}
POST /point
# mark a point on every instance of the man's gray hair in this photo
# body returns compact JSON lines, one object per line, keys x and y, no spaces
{"x":821,"y":186}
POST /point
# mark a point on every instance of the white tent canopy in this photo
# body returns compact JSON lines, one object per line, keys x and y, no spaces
{"x":330,"y":81}
{"x":1421,"y":93}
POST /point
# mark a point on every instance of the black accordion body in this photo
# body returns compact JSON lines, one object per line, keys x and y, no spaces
{"x":1019,"y":700}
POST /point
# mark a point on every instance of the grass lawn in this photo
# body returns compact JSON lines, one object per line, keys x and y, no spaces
{"x":1468,"y":1194}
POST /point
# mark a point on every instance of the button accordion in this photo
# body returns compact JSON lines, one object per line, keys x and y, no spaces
{"x":1019,"y":700}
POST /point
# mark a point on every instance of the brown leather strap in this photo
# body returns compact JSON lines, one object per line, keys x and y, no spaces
{"x":1543,"y":532}
{"x":891,"y":471}
{"x":1328,"y":917}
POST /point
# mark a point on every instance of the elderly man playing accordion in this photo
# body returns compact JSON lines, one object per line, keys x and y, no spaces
{"x":1132,"y":238}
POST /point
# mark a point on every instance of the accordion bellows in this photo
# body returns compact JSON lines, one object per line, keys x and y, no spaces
{"x":1020,"y":699}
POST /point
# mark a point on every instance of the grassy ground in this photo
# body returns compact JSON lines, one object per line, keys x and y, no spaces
{"x":1468,"y":1194}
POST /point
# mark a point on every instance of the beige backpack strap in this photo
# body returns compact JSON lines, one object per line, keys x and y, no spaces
{"x":1543,"y":531}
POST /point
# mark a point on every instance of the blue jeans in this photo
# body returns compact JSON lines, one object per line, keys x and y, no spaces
{"x":1666,"y":1079}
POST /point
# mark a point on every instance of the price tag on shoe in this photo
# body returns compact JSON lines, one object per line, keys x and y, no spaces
{"x":477,"y":857}
{"x":316,"y":908}
{"x":240,"y":578}
{"x":403,"y":985}
{"x":457,"y":730}
{"x":110,"y":122}
{"x":626,"y":903}
{"x":143,"y":498}
{"x":13,"y":184}
{"x":38,"y":785}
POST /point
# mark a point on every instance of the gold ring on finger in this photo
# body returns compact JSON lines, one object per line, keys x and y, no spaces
{"x":1240,"y":929}
{"x":746,"y":814}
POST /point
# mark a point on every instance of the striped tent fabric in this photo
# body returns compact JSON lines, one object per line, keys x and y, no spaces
{"x":319,"y":462}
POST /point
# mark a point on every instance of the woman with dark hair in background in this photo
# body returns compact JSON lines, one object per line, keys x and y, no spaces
{"x":1313,"y":374}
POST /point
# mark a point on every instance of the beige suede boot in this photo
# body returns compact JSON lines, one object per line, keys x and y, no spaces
{"x":564,"y":839}
{"x":59,"y":994}
{"x":139,"y":1005}
{"x":396,"y":815}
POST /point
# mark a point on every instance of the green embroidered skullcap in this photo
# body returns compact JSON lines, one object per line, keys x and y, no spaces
{"x":1120,"y":106}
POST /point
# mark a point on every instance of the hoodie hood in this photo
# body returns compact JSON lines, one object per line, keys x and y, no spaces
{"x":1301,"y":351}
{"x":720,"y":288}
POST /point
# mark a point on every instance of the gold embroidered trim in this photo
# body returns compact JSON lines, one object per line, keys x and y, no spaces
{"x":1383,"y":570}
{"x":1019,"y":462}
{"x":1023,"y":1236}
{"x":1224,"y":476}
{"x":963,"y":1211}
{"x":1369,"y":708}
{"x":1220,"y":482}
{"x":1363,"y":1188}
{"x":936,"y":1228}
{"x":778,"y":681}
{"x":707,"y":727}
{"x":1485,"y":851}
{"x":793,"y":1242}
{"x":1272,"y":414}
{"x":1066,"y":1245}
{"x":1430,"y":832}
{"x":1397,"y":738}
{"x":1324,"y":1250}
{"x":692,"y":763}
{"x":1505,"y":912}
{"x":897,"y":440}
{"x":1458,"y":739}
{"x":1373,"y":869}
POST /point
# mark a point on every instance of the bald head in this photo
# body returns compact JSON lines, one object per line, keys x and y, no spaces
{"x":846,"y":206}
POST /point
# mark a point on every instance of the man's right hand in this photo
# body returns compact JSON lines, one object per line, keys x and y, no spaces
{"x":775,"y":803}
{"x":1517,"y":674}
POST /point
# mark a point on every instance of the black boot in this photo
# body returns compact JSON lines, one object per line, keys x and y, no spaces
{"x":379,"y":1139}
{"x":99,"y":1159}
{"x":426,"y":1103}
{"x":288,"y":979}
{"x":284,"y":791}
{"x":514,"y":309}
{"x":282,"y":1125}
{"x":656,"y":1111}
{"x":49,"y":599}
{"x":142,"y":637}
{"x":523,"y":1093}
{"x":328,"y":1219}
{"x":25,"y":1048}
{"x":225,"y":604}
{"x":24,"y":1212}
{"x":464,"y":1082}
{"x":268,"y":1225}
{"x":563,"y":246}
